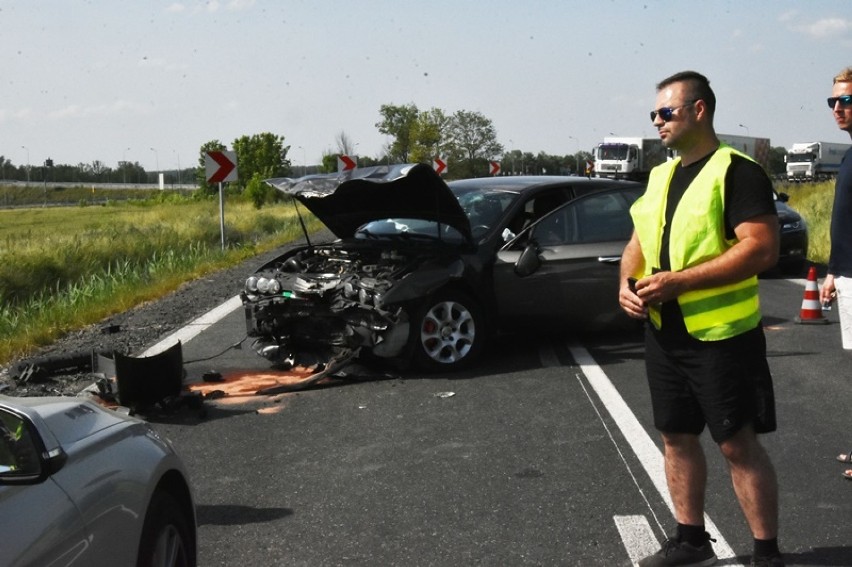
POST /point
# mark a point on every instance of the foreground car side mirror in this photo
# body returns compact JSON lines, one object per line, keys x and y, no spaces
{"x":23,"y":459}
{"x":528,"y":262}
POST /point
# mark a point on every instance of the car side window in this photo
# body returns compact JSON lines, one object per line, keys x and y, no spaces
{"x":596,"y":218}
{"x":17,"y":452}
{"x":558,"y":228}
{"x":604,"y":217}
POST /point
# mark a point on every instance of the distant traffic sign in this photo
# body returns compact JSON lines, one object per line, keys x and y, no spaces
{"x":495,"y":168}
{"x":439,"y":165}
{"x":220,"y":166}
{"x":345,"y":163}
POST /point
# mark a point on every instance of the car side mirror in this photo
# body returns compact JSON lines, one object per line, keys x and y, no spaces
{"x":528,"y":262}
{"x":23,"y":459}
{"x":783,"y":197}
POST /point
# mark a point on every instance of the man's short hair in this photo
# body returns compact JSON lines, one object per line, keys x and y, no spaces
{"x":844,"y":76}
{"x":698,"y":87}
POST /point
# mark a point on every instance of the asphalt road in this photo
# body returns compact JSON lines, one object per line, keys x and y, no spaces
{"x":544,"y":455}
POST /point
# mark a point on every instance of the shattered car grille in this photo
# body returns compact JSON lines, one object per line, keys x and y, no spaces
{"x":323,"y":299}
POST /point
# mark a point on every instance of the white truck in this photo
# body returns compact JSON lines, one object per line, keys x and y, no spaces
{"x":628,"y":157}
{"x":814,"y":161}
{"x":757,"y":148}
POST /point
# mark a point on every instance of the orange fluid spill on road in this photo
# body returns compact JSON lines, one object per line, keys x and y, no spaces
{"x":248,"y":383}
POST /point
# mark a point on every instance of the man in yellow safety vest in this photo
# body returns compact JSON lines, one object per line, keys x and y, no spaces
{"x":704,"y":229}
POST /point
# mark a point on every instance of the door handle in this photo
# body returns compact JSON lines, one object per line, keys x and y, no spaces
{"x":609,"y":259}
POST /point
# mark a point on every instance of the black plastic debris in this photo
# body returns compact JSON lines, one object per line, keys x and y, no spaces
{"x":143,"y":382}
{"x":212,"y":376}
{"x":39,"y":370}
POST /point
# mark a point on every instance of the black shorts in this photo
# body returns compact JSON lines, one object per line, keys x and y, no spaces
{"x":723,"y":384}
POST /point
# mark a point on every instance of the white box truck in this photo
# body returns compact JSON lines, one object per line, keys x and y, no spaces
{"x":757,"y":148}
{"x":814,"y":161}
{"x":628,"y":157}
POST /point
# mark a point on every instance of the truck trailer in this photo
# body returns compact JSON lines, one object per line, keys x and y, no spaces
{"x":757,"y":148}
{"x":628,"y":157}
{"x":814,"y":161}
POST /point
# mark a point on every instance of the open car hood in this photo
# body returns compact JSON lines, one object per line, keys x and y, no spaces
{"x":346,"y":201}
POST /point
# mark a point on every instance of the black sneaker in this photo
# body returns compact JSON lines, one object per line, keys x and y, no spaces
{"x":676,"y":553}
{"x":773,"y":561}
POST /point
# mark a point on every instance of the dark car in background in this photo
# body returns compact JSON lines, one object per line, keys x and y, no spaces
{"x":426,"y":271}
{"x":793,"y":253}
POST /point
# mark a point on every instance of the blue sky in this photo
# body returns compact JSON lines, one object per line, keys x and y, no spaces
{"x":109,"y":80}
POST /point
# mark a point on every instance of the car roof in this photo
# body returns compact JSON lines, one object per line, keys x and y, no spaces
{"x":523,"y":183}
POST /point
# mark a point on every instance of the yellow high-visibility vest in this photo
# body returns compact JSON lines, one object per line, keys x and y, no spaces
{"x":697,"y":235}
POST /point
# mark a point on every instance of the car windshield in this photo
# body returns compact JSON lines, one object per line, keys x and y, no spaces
{"x":483,"y":208}
{"x":800,"y":158}
{"x":612,"y":151}
{"x":405,"y":229}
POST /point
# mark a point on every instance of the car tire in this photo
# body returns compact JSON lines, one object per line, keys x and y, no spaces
{"x":166,"y":535}
{"x":448,"y":332}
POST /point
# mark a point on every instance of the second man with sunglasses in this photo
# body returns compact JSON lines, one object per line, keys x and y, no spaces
{"x":704,"y":229}
{"x":838,"y":282}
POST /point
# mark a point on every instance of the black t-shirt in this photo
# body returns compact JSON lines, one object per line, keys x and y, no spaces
{"x":748,"y":194}
{"x":840,"y":259}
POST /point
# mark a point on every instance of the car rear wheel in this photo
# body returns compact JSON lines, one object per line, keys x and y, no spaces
{"x":166,"y":535}
{"x":449,"y":332}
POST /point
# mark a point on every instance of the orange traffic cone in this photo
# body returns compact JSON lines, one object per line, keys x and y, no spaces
{"x":811,"y":311}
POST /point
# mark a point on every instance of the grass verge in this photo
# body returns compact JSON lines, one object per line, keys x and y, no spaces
{"x":62,"y":269}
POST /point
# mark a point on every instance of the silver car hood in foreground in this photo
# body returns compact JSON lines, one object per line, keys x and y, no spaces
{"x":69,"y":419}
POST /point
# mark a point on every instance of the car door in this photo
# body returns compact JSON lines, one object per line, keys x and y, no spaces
{"x":579,"y":250}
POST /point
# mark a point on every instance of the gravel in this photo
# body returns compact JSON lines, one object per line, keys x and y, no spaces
{"x":131,"y":332}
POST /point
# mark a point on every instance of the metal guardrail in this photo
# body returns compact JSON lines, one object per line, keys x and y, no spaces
{"x":90,"y":185}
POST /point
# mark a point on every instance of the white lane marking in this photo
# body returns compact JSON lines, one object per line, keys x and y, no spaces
{"x":195,"y":327}
{"x":649,"y":456}
{"x":637,"y":535}
{"x":620,"y":453}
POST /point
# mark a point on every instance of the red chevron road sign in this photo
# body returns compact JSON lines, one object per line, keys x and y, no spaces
{"x":345,"y":163}
{"x":220,"y":166}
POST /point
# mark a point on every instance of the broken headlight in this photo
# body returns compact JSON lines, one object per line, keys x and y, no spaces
{"x":262,"y":286}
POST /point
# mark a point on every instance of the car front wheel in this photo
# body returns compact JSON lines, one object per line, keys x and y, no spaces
{"x":449,"y":332}
{"x":166,"y":535}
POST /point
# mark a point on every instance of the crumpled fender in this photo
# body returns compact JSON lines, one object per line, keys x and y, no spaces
{"x":422,"y":282}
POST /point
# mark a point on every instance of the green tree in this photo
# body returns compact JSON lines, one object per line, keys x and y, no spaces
{"x":777,"y":161}
{"x":428,"y":134}
{"x":399,"y":123}
{"x":259,"y":192}
{"x":262,"y":154}
{"x":329,"y":162}
{"x":473,"y":141}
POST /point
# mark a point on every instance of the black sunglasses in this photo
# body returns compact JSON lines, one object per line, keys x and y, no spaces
{"x":667,"y":112}
{"x":845,"y":100}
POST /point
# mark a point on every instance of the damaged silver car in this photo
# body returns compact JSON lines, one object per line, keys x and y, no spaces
{"x":84,"y":485}
{"x":425,"y":271}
